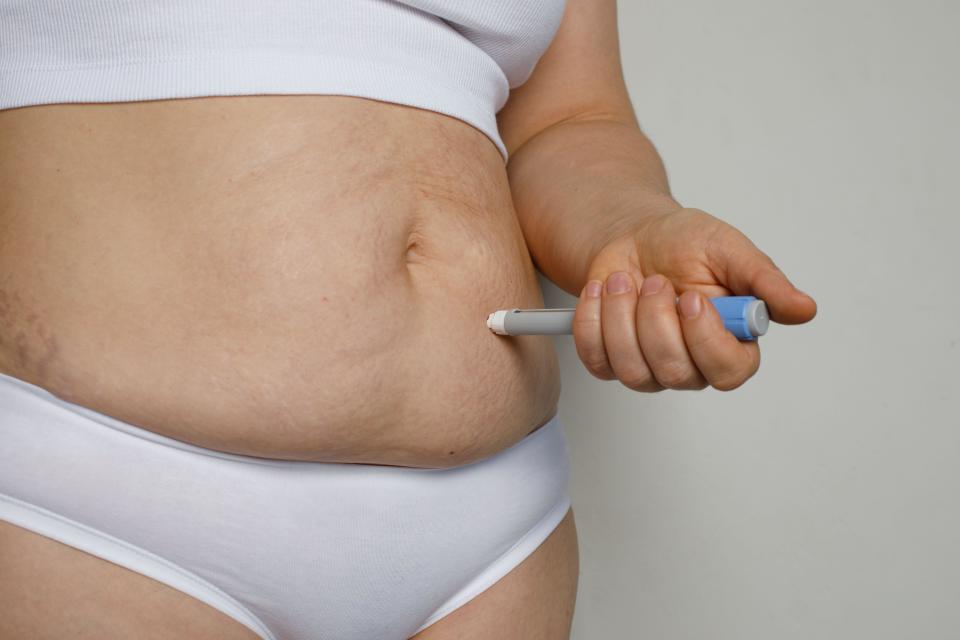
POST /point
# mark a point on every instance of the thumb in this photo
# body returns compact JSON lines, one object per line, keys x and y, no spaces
{"x":746,"y":270}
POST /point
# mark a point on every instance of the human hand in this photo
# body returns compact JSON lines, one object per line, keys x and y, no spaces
{"x":629,"y":326}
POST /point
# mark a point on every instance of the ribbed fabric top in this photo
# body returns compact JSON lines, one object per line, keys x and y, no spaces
{"x":457,"y":57}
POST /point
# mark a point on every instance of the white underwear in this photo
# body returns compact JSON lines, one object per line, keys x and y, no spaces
{"x":292,"y":550}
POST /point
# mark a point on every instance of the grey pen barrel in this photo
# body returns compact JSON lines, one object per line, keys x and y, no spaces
{"x":532,"y":321}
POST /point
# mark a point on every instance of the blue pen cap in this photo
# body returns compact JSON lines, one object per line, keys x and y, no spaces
{"x":744,"y":316}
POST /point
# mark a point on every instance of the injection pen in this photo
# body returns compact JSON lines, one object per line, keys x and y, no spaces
{"x":744,"y":316}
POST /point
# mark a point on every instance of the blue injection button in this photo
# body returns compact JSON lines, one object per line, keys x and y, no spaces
{"x":744,"y":316}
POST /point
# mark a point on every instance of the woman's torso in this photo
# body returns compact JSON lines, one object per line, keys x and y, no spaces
{"x":302,"y":277}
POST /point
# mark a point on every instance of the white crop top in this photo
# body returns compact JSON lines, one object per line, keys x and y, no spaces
{"x":458,"y":57}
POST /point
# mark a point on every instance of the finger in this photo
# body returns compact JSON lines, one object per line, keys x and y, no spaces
{"x":748,"y":271}
{"x":587,"y":332}
{"x":723,"y":360}
{"x":661,"y":336}
{"x":618,"y":320}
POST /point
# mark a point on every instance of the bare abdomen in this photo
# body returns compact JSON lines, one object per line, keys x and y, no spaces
{"x":301,"y":277}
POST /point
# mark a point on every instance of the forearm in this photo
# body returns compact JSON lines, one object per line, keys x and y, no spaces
{"x":579,"y":184}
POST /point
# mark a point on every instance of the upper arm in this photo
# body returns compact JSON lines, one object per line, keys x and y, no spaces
{"x":578,"y":77}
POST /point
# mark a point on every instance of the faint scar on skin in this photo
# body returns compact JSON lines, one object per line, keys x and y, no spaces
{"x":25,"y":337}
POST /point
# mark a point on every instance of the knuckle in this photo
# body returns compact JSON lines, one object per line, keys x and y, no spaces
{"x":650,"y":387}
{"x":584,"y":321}
{"x":597,"y":365}
{"x":704,"y":341}
{"x":755,"y":361}
{"x":730,"y":379}
{"x":595,"y":361}
{"x":694,"y":383}
{"x":589,"y":347}
{"x":602,"y":375}
{"x":675,"y":374}
{"x":639,"y":381}
{"x":726,"y":384}
{"x":601,"y":371}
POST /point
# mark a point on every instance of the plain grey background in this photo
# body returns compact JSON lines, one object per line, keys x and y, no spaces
{"x":820,"y":500}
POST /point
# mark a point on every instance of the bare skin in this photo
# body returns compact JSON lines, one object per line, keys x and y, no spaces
{"x":307,"y":277}
{"x":291,"y":277}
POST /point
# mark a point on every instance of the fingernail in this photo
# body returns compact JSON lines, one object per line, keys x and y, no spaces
{"x":593,"y":288}
{"x":618,"y":282}
{"x":690,"y":305}
{"x":652,"y":285}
